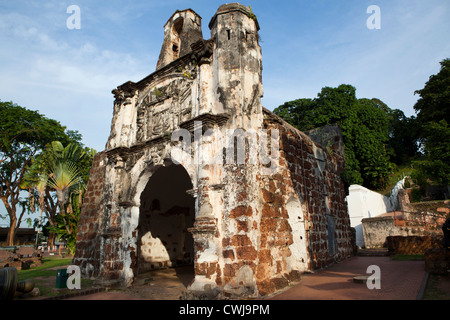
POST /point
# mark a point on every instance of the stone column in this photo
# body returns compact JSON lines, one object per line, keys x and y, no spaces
{"x":206,"y":259}
{"x":205,"y":229}
{"x":112,"y":246}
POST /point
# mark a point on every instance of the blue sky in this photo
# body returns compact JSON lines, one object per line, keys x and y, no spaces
{"x":68,"y":74}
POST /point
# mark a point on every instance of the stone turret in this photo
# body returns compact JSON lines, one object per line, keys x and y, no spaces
{"x":234,"y":29}
{"x":182,"y":30}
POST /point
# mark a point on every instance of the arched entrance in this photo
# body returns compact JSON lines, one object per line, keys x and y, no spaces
{"x":166,"y":212}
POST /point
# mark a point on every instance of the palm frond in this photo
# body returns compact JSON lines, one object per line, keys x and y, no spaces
{"x":63,"y":176}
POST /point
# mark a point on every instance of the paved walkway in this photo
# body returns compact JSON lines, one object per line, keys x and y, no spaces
{"x":399,"y":280}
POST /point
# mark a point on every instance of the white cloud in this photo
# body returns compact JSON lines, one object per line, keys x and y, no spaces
{"x":66,"y":77}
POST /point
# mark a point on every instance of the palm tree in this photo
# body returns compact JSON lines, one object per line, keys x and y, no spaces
{"x":57,"y":170}
{"x":63,"y":177}
{"x":66,"y":179}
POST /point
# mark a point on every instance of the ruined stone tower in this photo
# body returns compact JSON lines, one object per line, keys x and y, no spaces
{"x":196,"y":172}
{"x":183,"y":29}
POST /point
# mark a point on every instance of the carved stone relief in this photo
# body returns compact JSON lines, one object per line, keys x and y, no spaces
{"x":162,"y":109}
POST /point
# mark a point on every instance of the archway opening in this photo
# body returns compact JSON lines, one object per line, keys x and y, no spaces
{"x":176,"y":37}
{"x":166,"y":213}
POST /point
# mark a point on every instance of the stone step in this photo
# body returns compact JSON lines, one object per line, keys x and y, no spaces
{"x":378,"y":252}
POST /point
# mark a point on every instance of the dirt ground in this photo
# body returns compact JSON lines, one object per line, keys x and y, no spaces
{"x":165,"y":284}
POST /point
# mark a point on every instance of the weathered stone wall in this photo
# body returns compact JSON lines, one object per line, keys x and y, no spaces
{"x":276,"y":226}
{"x":315,"y":173}
{"x":412,"y":244}
{"x":309,"y":176}
{"x":376,"y":230}
{"x":88,"y":246}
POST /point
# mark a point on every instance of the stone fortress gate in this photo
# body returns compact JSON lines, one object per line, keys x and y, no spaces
{"x":196,"y":172}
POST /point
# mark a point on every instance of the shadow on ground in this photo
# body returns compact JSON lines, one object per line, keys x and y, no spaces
{"x":164,"y":284}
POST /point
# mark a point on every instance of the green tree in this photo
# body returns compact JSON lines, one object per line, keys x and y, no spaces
{"x":434,"y":102}
{"x":371,"y":136}
{"x":23,"y":133}
{"x":433,"y":114}
{"x":403,"y":138}
{"x":35,"y":180}
{"x":365,"y":130}
{"x":435,"y":162}
{"x":299,"y":113}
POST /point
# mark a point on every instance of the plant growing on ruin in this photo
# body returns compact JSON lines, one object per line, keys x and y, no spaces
{"x":250,"y":14}
{"x":158,"y":94}
{"x":186,"y":74}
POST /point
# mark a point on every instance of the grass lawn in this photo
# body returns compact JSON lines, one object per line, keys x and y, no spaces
{"x":438,"y":288}
{"x":44,"y":277}
{"x":45,"y":269}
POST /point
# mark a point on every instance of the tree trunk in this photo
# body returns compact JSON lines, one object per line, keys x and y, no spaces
{"x":12,"y":221}
{"x":51,"y":240}
{"x":51,"y":237}
{"x":11,"y":233}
